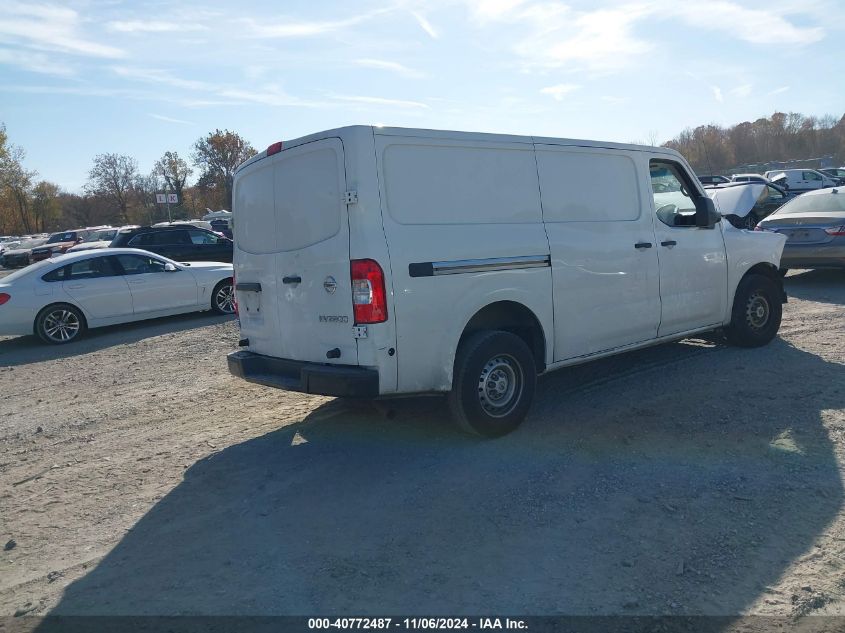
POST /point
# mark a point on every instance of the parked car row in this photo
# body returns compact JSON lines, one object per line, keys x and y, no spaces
{"x":192,"y":240}
{"x":794,"y":180}
{"x":60,"y":297}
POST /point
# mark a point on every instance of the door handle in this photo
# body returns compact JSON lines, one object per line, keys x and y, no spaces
{"x":296,"y":279}
{"x":668,"y":243}
{"x":642,"y":245}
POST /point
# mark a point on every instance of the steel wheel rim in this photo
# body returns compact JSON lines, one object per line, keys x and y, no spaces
{"x":61,"y":325}
{"x":757,"y":311}
{"x":500,"y":385}
{"x":225,"y":299}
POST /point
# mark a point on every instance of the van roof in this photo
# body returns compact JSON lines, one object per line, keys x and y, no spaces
{"x":351,"y":130}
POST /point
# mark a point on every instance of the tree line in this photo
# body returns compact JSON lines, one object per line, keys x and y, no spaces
{"x":779,"y":138}
{"x":117,"y":192}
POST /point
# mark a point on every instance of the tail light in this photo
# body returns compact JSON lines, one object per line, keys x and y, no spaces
{"x":369,"y":300}
{"x":4,"y":297}
{"x":835,"y":230}
{"x":275,"y":148}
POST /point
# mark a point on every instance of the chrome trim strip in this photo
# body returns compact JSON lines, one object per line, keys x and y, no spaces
{"x":486,"y":265}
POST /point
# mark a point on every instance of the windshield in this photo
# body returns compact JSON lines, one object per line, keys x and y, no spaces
{"x":100,"y":236}
{"x":70,"y":236}
{"x":31,"y":243}
{"x":814,"y":204}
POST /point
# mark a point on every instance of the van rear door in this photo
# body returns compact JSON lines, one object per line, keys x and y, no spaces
{"x":292,"y":255}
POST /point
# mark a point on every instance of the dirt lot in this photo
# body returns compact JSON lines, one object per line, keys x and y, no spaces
{"x":138,"y":477}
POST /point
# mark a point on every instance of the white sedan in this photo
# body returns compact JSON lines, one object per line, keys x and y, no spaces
{"x":59,"y":298}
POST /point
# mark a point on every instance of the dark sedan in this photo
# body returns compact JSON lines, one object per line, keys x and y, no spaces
{"x":814,"y":226}
{"x":183,"y":243}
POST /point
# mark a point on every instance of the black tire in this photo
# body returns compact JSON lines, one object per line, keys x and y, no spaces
{"x":782,"y":271}
{"x":757,"y":311}
{"x":60,"y":323}
{"x":223,"y":297}
{"x":505,"y":363}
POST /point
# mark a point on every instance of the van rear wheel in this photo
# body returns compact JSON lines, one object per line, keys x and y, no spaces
{"x":494,"y":382}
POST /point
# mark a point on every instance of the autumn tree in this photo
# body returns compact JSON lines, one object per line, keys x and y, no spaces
{"x":113,"y":177}
{"x":218,"y":154}
{"x":15,"y":185}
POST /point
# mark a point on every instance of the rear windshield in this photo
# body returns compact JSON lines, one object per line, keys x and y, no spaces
{"x":814,"y":204}
{"x":291,"y":201}
{"x":24,"y":272}
{"x":70,"y":236}
{"x":97,"y":236}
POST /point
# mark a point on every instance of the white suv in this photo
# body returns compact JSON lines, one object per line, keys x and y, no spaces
{"x":377,"y":261}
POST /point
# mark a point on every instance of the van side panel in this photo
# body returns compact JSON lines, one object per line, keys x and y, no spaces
{"x":464,"y":228}
{"x":606,"y":290}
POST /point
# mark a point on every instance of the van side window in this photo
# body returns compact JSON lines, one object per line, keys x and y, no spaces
{"x":671,"y":190}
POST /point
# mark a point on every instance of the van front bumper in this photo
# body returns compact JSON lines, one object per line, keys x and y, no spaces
{"x":347,"y":381}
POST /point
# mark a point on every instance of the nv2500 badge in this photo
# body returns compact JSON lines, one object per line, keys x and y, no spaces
{"x":330,"y":318}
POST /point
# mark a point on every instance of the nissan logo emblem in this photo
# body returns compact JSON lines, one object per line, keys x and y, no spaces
{"x":330,"y":284}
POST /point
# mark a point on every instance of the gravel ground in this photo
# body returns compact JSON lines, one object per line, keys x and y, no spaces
{"x":138,"y":477}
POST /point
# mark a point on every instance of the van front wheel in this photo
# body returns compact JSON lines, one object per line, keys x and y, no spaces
{"x":494,"y":383}
{"x":757,"y":312}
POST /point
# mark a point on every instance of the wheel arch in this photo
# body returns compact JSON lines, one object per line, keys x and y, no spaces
{"x":766,"y":269}
{"x":516,"y":318}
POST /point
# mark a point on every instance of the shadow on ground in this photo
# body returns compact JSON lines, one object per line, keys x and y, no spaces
{"x":22,"y":350}
{"x":671,"y":480}
{"x":824,"y":286}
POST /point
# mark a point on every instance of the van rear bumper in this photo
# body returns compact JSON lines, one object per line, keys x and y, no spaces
{"x":293,"y":375}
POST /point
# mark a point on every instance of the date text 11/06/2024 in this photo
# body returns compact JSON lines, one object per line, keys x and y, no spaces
{"x":417,"y":623}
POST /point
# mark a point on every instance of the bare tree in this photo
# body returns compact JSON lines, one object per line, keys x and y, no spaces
{"x":113,"y":177}
{"x":175,"y":172}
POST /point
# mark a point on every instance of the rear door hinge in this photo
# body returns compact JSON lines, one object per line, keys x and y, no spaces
{"x":350,"y":197}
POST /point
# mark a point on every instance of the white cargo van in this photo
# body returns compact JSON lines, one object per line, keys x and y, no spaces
{"x":375,"y":262}
{"x":800,"y":180}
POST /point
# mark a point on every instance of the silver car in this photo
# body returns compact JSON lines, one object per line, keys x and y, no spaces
{"x":814,"y":226}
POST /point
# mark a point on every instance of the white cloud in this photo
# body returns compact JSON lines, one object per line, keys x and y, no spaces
{"x":382,"y":64}
{"x":34,"y":61}
{"x":487,"y":10}
{"x":717,"y":93}
{"x":158,"y":76}
{"x":757,"y":26}
{"x":153,"y":26}
{"x":168,"y":119}
{"x":290,"y":28}
{"x":46,"y":27}
{"x":742,"y":91}
{"x":550,"y":34}
{"x":559,"y":91}
{"x":425,"y":25}
{"x":777,"y":91}
{"x":397,"y":103}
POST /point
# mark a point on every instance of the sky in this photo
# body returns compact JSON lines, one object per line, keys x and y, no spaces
{"x":81,"y":78}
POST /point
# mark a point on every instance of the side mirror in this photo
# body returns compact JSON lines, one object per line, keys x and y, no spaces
{"x":706,"y":215}
{"x":170,"y":268}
